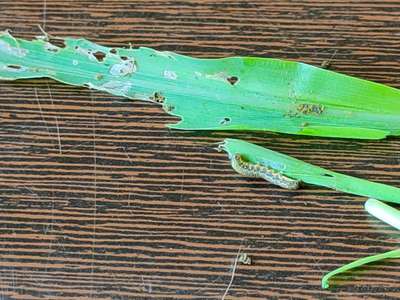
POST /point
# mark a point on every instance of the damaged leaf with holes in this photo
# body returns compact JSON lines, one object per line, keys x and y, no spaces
{"x":234,"y":93}
{"x":281,"y":169}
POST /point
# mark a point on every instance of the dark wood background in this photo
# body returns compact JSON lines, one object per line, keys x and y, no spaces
{"x":99,"y":200}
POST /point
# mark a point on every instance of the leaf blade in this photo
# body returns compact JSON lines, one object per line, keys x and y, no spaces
{"x":233,"y":93}
{"x":308,"y":173}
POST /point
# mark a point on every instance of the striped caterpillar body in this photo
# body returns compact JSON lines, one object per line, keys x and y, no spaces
{"x":256,"y":170}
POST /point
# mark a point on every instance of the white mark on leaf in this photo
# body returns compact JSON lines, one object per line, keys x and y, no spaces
{"x":124,"y":68}
{"x":113,"y":87}
{"x":50,"y":47}
{"x":86,"y":52}
{"x":8,"y":49}
{"x":166,"y":54}
{"x":170,"y":75}
{"x":220,"y":76}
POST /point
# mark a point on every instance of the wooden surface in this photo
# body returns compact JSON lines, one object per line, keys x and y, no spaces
{"x":99,"y":200}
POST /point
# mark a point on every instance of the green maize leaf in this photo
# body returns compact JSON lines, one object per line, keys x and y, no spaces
{"x":293,"y":168}
{"x":358,"y":263}
{"x":234,"y":93}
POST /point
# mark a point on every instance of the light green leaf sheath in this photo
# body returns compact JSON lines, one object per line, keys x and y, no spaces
{"x":234,"y":93}
{"x":358,"y":263}
{"x":275,"y":163}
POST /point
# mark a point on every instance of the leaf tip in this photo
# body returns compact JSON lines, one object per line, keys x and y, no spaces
{"x":325,"y":282}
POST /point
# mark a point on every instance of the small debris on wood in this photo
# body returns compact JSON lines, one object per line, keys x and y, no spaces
{"x":244,"y":258}
{"x":326,"y":64}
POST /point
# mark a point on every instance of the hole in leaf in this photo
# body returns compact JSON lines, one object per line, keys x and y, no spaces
{"x":60,"y":43}
{"x":225,"y":120}
{"x":124,"y":58}
{"x":328,"y":175}
{"x":113,"y":51}
{"x":99,"y":56}
{"x":232,"y":80}
{"x":14,"y":67}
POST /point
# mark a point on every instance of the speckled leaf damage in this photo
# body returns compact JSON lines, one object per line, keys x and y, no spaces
{"x":235,"y":93}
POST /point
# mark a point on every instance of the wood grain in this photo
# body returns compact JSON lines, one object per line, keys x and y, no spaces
{"x":99,"y":200}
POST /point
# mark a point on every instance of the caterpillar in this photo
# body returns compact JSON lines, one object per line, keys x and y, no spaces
{"x":257,"y":170}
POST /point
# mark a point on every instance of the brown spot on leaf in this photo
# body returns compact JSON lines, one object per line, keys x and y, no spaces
{"x":99,"y":55}
{"x":232,"y":80}
{"x":307,"y":109}
{"x":157,"y":97}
